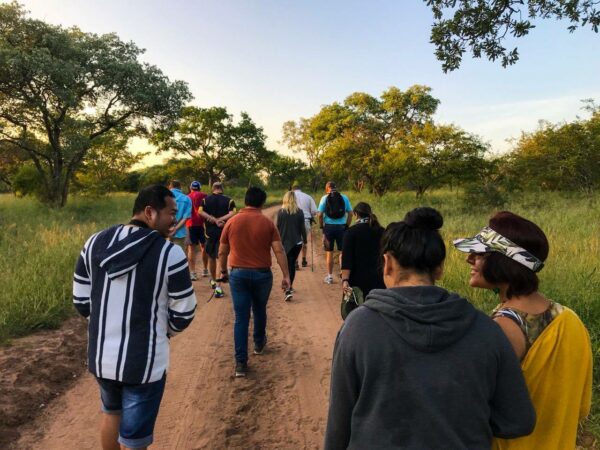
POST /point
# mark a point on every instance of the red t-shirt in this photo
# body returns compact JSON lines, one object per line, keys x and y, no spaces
{"x":196,"y":220}
{"x":249,"y":235}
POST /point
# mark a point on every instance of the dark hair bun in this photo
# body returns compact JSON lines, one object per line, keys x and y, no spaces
{"x":425,"y":218}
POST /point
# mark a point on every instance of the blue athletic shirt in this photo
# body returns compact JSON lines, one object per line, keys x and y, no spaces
{"x":328,"y":220}
{"x":184,"y":210}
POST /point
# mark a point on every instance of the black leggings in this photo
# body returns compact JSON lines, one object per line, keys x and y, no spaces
{"x":292,"y":256}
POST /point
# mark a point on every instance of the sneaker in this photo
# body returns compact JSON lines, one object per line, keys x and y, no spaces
{"x":241,"y":369}
{"x":293,"y":291}
{"x":213,"y":284}
{"x":288,"y":295}
{"x":205,"y":273}
{"x":259,"y":349}
{"x":297,"y":266}
{"x":219,"y":292}
{"x":193,"y":276}
{"x":328,"y":279}
{"x":304,"y":263}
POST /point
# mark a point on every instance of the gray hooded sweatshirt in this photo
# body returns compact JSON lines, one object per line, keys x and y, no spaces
{"x":421,"y":368}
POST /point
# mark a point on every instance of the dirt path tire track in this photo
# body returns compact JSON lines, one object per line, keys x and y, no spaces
{"x":282,"y":404}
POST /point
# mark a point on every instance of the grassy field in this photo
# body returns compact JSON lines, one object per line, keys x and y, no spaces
{"x":39,"y":246}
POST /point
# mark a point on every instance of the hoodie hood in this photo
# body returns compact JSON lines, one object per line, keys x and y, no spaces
{"x":122,"y":256}
{"x":427,"y":318}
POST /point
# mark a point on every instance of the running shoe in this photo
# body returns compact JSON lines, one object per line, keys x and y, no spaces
{"x":259,"y":349}
{"x":213,"y":284}
{"x":219,"y":292}
{"x":288,"y":295}
{"x":304,"y":263}
{"x":193,"y":276}
{"x":205,"y":273}
{"x":328,"y":279}
{"x":241,"y":369}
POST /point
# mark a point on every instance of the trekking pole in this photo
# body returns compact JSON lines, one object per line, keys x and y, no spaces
{"x":312,"y":245}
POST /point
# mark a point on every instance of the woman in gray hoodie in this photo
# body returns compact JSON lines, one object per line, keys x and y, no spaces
{"x":418,"y":367}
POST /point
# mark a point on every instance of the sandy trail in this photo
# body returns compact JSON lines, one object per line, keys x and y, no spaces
{"x":282,"y":404}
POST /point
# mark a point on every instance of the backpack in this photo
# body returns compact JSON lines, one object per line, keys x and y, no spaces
{"x":335,"y":206}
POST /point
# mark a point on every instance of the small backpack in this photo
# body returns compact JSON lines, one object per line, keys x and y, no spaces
{"x":335,"y":206}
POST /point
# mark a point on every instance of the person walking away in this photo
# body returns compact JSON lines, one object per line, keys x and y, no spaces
{"x":184,"y":211}
{"x":361,"y":258}
{"x":134,"y":288}
{"x":216,"y":210}
{"x":308,"y":206}
{"x":195,"y":231}
{"x":417,"y":367}
{"x":248,"y":239}
{"x":334,"y":218}
{"x":549,"y":338}
{"x":291,"y":226}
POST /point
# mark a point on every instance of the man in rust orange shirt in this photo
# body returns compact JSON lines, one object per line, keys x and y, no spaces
{"x":248,"y":239}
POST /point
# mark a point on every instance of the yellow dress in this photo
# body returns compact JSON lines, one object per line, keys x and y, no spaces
{"x":558,"y":372}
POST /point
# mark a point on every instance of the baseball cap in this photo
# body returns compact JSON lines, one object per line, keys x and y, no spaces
{"x":489,"y":240}
{"x":195,"y":185}
{"x":331,"y":185}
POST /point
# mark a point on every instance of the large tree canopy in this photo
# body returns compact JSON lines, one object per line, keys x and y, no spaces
{"x":217,"y":145}
{"x":482,"y":26}
{"x":61,"y":90}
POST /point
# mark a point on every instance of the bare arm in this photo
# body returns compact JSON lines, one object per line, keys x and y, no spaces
{"x":514,"y":335}
{"x":222,"y":259}
{"x":281,"y":258}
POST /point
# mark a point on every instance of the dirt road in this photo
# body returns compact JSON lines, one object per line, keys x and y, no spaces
{"x":282,"y":404}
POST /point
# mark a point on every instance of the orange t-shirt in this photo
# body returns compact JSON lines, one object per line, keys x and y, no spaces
{"x":249,"y":235}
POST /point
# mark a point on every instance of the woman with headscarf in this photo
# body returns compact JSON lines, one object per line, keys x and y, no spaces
{"x":549,"y":339}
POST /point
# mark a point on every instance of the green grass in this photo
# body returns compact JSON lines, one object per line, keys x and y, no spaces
{"x":39,"y":246}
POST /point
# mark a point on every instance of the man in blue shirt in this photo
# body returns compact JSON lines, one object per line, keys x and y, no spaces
{"x":184,"y":211}
{"x":335,"y":215}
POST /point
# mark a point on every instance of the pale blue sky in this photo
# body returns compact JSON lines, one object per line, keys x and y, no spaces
{"x":281,"y":59}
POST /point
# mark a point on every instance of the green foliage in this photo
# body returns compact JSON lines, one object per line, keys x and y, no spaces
{"x":282,"y":171}
{"x":219,"y":148}
{"x":26,"y":182}
{"x":483,"y":26}
{"x":559,"y":156}
{"x":63,"y":89}
{"x":386,"y":143}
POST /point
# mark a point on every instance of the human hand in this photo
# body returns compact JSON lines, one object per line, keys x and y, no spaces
{"x":285,"y":283}
{"x":346,"y":287}
{"x":220,"y":223}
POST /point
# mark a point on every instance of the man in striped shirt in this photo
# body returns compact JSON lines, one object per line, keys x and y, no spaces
{"x":134,"y":288}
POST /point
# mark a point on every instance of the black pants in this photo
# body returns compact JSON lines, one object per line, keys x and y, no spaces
{"x":292,"y":256}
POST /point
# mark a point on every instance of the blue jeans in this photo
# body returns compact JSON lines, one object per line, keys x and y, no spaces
{"x":137,"y":404}
{"x":250,"y":289}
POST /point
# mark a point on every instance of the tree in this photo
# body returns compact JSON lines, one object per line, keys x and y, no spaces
{"x":434,"y":155}
{"x":107,"y":164}
{"x":560,"y":156}
{"x":282,"y":170}
{"x":214,"y":142}
{"x":482,"y":26}
{"x":350,"y":140}
{"x":63,"y":89}
{"x":11,"y":159}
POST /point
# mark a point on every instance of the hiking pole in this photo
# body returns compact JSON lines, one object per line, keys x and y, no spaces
{"x":312,"y":245}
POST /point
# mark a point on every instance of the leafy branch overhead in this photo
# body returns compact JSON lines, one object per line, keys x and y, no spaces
{"x":483,"y":26}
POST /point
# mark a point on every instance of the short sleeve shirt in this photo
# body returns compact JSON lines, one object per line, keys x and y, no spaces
{"x":217,"y":205}
{"x":196,"y":220}
{"x":328,"y":220}
{"x":184,"y":210}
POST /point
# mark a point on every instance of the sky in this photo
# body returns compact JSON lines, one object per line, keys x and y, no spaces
{"x":280,"y":60}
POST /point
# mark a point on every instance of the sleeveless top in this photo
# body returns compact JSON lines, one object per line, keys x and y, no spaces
{"x":532,"y":325}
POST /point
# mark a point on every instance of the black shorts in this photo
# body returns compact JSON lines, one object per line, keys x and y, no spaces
{"x":213,"y":236}
{"x":333,"y":234}
{"x":195,"y":236}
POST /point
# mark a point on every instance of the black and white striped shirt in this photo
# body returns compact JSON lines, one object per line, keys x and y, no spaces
{"x":135,"y":289}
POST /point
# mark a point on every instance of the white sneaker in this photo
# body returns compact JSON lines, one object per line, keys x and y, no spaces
{"x":205,"y":273}
{"x":193,"y":276}
{"x":328,"y":279}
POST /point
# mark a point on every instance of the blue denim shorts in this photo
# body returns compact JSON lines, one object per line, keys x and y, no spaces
{"x":137,"y":404}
